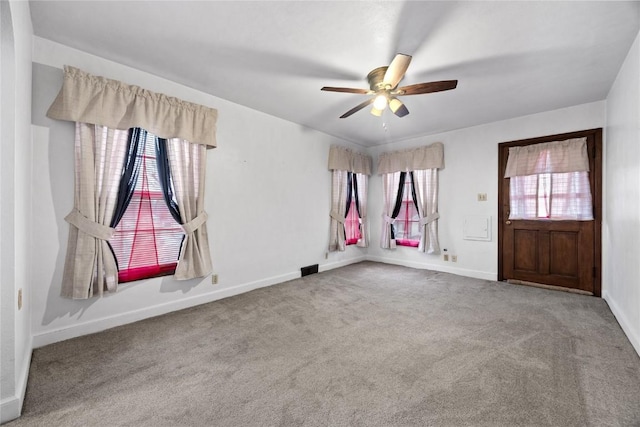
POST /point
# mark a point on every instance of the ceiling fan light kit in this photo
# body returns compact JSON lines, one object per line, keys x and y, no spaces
{"x":398,"y":108}
{"x":383,"y":85}
{"x":380,"y":102}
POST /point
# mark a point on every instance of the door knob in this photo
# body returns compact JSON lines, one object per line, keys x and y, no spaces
{"x":507,"y":222}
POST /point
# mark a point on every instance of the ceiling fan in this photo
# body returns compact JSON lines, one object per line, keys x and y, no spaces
{"x":383,"y":83}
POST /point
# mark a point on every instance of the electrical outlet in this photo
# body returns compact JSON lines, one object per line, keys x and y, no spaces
{"x":482,"y":197}
{"x":454,"y":258}
{"x":214,"y":279}
{"x":19,"y":299}
{"x":446,"y":257}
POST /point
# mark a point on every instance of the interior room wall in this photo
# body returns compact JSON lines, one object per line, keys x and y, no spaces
{"x":471,"y":167}
{"x":15,"y":211}
{"x":256,"y":213}
{"x":621,"y":226}
{"x":267,"y":196}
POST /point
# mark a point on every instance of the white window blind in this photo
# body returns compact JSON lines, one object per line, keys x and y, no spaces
{"x":147,"y":240}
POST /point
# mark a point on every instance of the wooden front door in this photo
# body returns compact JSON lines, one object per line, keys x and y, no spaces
{"x":557,"y":253}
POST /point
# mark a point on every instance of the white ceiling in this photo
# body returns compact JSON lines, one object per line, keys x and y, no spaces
{"x":510,"y":58}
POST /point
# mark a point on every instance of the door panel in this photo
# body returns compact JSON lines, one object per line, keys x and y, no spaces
{"x":563,"y":253}
{"x":525,"y":250}
{"x":558,"y":253}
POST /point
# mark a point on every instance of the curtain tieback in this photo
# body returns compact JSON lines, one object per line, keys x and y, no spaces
{"x":194,"y":224}
{"x":429,"y":219}
{"x":388,"y":219}
{"x":337,"y":217}
{"x":88,"y":226}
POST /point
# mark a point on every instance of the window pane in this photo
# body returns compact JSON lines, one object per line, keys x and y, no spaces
{"x":147,"y":240}
{"x":407,"y":223}
{"x":571,"y":196}
{"x":558,"y":196}
{"x":352,"y":225}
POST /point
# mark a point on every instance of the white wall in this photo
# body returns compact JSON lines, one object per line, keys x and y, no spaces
{"x":15,"y":212}
{"x":621,"y":227}
{"x":471,"y":167}
{"x":267,"y":195}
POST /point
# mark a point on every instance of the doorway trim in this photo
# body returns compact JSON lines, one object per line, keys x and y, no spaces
{"x":594,"y":144}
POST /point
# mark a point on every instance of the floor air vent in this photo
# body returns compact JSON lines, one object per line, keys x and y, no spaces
{"x":305,"y":271}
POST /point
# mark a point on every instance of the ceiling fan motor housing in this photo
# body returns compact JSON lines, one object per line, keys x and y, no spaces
{"x":375,"y":79}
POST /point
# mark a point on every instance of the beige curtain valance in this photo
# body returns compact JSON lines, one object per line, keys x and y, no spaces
{"x":97,"y":100}
{"x":549,"y":157}
{"x":422,"y":158}
{"x":344,"y":159}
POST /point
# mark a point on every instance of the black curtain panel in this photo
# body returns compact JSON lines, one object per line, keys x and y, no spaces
{"x":398,"y":205}
{"x":164,"y":172}
{"x":413,"y":192}
{"x":130,"y":172}
{"x":350,"y":178}
{"x":355,"y":190}
{"x":349,"y":192}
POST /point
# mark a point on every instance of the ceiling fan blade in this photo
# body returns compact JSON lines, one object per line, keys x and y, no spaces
{"x":396,"y":70}
{"x":430,"y":87}
{"x":345,"y":89}
{"x":398,"y":108}
{"x":357,"y":108}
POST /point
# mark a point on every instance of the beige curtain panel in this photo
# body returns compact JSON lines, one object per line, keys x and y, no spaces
{"x":338,"y":208}
{"x":90,"y":267}
{"x":422,"y":158}
{"x":97,"y":100}
{"x":344,"y":159}
{"x":426,"y":185}
{"x":188,"y":164}
{"x":550,"y":157}
{"x":362,"y":181}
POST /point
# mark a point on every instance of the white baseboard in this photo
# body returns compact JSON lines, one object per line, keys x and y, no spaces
{"x":343,"y":263}
{"x":11,"y":407}
{"x":453,"y":270}
{"x":624,"y":323}
{"x":98,"y":325}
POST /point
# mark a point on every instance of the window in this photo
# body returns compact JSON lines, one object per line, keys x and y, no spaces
{"x":352,"y":219}
{"x":554,"y":196}
{"x":107,"y":163}
{"x":550,"y":180}
{"x":407,"y":224}
{"x":147,"y":240}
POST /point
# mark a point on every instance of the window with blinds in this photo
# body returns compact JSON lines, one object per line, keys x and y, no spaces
{"x":147,"y":241}
{"x":407,"y":224}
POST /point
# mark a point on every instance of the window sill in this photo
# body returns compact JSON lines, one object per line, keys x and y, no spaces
{"x":141,"y":273}
{"x":410,"y":243}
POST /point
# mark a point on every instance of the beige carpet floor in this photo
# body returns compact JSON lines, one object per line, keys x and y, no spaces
{"x":365,"y":345}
